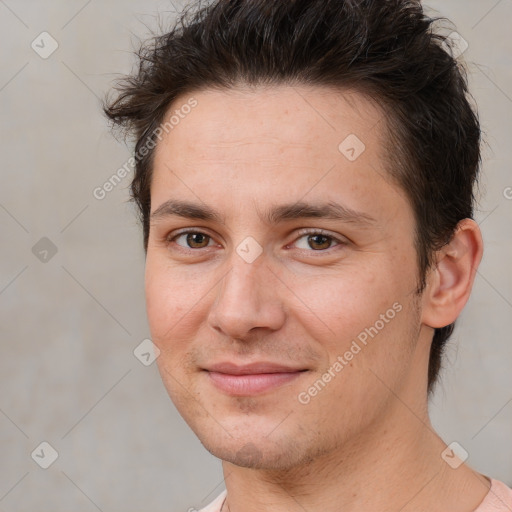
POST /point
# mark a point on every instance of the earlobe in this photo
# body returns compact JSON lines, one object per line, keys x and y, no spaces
{"x":451,"y":281}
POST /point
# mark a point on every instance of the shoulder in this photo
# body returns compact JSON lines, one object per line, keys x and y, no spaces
{"x":216,"y":504}
{"x":498,"y":499}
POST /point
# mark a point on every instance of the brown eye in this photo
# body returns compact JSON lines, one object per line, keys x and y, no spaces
{"x":197,"y":238}
{"x":193,"y":239}
{"x":319,"y":241}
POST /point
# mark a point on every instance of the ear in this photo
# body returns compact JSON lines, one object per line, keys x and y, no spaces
{"x":449,"y":284}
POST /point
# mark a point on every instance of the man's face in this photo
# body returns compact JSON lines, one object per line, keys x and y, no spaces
{"x":336,"y":307}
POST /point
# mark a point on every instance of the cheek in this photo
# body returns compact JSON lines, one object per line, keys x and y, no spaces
{"x":175,"y":303}
{"x":346,"y":303}
{"x":164,"y":299}
{"x":170,"y":314}
{"x":368,"y":342}
{"x":362,"y":316}
{"x":160,"y":307}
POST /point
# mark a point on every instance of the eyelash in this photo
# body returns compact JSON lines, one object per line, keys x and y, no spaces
{"x":300,"y":234}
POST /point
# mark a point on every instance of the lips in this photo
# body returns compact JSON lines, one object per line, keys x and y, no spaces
{"x":251,"y":379}
{"x":251,"y":369}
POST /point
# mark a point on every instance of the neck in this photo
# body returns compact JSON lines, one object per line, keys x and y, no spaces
{"x":395,"y":465}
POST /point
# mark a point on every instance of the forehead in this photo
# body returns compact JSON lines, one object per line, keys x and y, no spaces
{"x":314,"y":118}
{"x":261,"y":143}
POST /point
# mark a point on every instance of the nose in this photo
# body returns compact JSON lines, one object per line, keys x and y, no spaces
{"x":247,"y":300}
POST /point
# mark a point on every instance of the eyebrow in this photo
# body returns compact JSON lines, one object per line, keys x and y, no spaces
{"x":273,"y":216}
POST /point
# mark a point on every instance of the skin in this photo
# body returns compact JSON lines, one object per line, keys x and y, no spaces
{"x":365,"y":441}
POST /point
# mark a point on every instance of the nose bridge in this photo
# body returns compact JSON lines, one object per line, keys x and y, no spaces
{"x":246,"y":296}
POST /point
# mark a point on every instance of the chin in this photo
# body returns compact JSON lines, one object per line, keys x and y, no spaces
{"x":256,"y":451}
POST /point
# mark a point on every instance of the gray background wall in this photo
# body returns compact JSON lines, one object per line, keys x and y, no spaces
{"x":71,"y":320}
